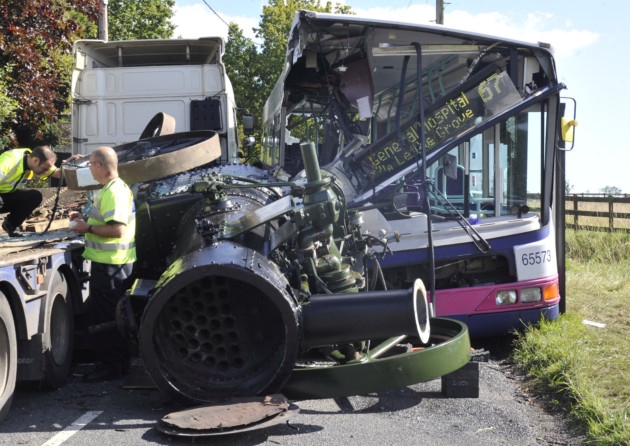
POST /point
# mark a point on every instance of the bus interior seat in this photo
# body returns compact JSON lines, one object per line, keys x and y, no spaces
{"x":451,"y":187}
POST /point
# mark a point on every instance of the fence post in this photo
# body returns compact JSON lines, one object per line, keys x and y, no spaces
{"x":575,"y":208}
{"x":611,"y":224}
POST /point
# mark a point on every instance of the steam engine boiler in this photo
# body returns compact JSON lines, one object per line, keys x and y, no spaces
{"x":247,"y":285}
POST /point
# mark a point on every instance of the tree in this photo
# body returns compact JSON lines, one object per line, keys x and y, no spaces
{"x":240,"y":62}
{"x":36,"y":60}
{"x":610,"y":190}
{"x":36,"y":38}
{"x":8,"y":106}
{"x":140,"y":19}
{"x":254,"y":70}
{"x":568,"y":187}
{"x":274,"y":28}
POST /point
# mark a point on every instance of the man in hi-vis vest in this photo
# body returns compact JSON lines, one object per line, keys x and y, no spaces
{"x":109,"y":230}
{"x":17,"y":168}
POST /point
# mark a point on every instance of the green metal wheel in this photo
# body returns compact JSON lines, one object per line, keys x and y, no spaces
{"x":383,"y":368}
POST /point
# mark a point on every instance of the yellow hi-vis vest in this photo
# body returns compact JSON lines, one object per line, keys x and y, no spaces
{"x":14,"y":173}
{"x":114,"y":202}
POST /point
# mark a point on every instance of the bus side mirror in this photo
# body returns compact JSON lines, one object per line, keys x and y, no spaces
{"x":566,"y":140}
{"x":248,"y":124}
{"x":567,"y":128}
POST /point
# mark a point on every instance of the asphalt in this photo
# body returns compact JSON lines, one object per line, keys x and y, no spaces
{"x":505,"y":413}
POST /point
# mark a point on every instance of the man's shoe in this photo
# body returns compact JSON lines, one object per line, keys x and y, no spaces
{"x":11,"y":231}
{"x":101,"y":374}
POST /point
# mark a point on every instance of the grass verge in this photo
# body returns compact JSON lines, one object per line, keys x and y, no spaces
{"x":586,"y":369}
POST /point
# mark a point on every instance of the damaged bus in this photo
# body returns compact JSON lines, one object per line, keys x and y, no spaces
{"x":449,"y":147}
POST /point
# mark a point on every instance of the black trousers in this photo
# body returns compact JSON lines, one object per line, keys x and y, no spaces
{"x":108,"y":284}
{"x":19,"y":204}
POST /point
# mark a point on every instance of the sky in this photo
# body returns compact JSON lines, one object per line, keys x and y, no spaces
{"x":587,"y":36}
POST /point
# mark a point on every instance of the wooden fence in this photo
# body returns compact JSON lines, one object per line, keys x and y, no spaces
{"x":598,"y":212}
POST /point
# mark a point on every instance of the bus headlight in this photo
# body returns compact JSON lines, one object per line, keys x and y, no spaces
{"x":506,"y":297}
{"x":531,"y":295}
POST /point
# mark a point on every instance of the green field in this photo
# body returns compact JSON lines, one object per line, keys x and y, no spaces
{"x":585,"y":369}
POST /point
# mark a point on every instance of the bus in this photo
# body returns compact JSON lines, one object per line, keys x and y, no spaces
{"x":449,"y":147}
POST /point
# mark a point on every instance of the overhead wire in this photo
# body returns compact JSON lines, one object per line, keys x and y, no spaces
{"x":216,"y":13}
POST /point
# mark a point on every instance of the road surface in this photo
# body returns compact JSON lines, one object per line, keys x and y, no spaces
{"x":81,"y":414}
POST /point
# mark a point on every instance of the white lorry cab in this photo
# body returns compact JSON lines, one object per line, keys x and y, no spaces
{"x":120,"y":86}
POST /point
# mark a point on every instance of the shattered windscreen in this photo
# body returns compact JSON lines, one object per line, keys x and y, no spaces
{"x":477,"y":100}
{"x":352,"y":88}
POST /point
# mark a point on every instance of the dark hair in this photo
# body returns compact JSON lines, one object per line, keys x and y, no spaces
{"x":44,"y":153}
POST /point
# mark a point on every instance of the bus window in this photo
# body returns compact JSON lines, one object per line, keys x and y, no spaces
{"x":496,"y":172}
{"x":521,"y":162}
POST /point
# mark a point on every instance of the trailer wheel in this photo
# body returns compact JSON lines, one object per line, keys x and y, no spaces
{"x":8,"y":357}
{"x":58,"y":340}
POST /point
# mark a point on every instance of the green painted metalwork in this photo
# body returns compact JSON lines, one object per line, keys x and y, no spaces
{"x":448,"y":350}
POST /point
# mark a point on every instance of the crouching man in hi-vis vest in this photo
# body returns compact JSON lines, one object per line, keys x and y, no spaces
{"x":17,"y":168}
{"x":110,"y":246}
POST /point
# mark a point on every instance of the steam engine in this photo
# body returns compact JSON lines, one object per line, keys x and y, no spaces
{"x":241,"y":279}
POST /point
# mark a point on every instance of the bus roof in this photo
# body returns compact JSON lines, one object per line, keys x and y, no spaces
{"x":312,"y":16}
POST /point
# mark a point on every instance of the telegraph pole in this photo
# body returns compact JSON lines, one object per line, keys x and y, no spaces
{"x":102,"y":22}
{"x":439,"y":12}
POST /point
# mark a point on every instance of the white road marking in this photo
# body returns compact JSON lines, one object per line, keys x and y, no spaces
{"x":75,"y":427}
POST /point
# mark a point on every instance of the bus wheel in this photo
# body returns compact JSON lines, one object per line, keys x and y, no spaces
{"x":58,"y":340}
{"x":8,"y":357}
